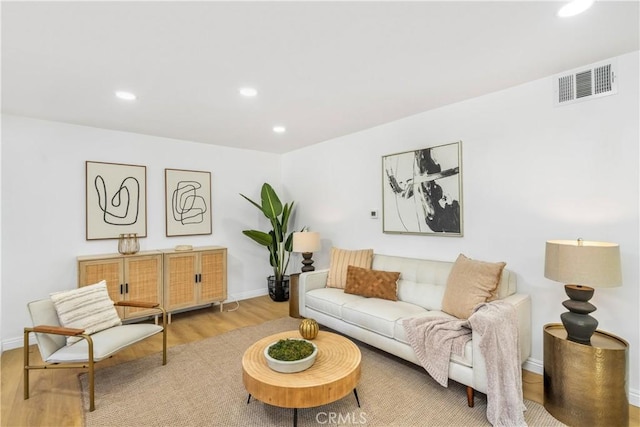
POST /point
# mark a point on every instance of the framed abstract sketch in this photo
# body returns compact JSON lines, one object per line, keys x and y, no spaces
{"x":422,"y":191}
{"x":116,"y":200}
{"x":187,"y":202}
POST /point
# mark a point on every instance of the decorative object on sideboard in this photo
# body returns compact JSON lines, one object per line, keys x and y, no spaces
{"x":306,"y":242}
{"x":116,"y":198}
{"x":183,"y":248}
{"x":581,"y":264}
{"x":278,"y":240}
{"x":422,"y":191}
{"x":187,"y":202}
{"x":128,"y":244}
{"x":309,"y":329}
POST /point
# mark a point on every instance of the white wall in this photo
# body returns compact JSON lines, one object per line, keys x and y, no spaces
{"x":531,"y":172}
{"x":43,"y":198}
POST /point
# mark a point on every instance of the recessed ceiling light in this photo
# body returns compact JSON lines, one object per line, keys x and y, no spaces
{"x":249,"y":92}
{"x":279,"y":129}
{"x":574,"y":8}
{"x":128,"y":96}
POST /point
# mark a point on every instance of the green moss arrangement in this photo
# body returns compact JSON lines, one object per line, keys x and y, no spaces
{"x":290,"y":350}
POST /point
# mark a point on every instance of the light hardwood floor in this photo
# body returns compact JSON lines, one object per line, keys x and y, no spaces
{"x":55,"y":394}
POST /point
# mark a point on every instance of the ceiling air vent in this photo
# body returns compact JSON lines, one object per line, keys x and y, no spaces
{"x":585,"y":83}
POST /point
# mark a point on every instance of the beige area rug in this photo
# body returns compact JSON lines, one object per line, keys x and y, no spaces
{"x":201,"y":385}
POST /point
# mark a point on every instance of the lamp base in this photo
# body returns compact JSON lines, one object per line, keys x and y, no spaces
{"x":307,"y":261}
{"x":577,"y":322}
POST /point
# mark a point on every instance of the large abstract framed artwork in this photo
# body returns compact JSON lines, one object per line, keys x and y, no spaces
{"x":187,"y":202}
{"x":422,"y":191}
{"x":116,"y":200}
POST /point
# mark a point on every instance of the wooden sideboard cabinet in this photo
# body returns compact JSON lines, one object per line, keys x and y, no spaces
{"x":135,"y":277}
{"x":194,"y":278}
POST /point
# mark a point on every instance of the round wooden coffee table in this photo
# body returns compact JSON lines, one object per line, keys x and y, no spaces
{"x":334,"y":374}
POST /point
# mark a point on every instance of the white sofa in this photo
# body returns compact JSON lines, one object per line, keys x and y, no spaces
{"x":378,"y":322}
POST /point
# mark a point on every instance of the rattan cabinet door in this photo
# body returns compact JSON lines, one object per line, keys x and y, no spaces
{"x":143,"y":282}
{"x":91,"y":271}
{"x":180,"y":271}
{"x":213,"y":276}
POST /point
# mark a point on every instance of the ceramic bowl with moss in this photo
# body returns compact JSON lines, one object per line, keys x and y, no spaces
{"x":291,"y":355}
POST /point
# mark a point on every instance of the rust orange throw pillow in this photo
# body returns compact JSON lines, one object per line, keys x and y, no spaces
{"x":372,"y":283}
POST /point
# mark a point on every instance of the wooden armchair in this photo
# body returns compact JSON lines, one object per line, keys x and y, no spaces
{"x":56,"y":354}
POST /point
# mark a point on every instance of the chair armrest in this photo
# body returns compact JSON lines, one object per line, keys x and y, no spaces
{"x":56,"y":330}
{"x":141,"y":304}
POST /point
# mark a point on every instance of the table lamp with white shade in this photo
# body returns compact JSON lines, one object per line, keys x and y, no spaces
{"x":580,"y":265}
{"x":306,"y":242}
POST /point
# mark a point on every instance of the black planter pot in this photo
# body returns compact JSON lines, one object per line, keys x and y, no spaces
{"x":278,"y":289}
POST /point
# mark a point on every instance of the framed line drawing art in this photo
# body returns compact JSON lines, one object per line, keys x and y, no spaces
{"x":422,"y":191}
{"x":116,"y":197}
{"x":187,"y":202}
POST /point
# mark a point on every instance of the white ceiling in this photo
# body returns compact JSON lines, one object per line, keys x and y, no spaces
{"x":322,"y":69}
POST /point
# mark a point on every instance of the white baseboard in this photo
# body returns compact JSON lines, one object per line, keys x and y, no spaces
{"x":537,"y":367}
{"x":12,"y":343}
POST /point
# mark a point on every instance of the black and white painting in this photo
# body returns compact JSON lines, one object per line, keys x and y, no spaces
{"x":116,"y":200}
{"x":188,"y":202}
{"x":422,"y":191}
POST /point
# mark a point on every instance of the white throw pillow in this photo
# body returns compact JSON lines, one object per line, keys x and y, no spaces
{"x":89,"y":308}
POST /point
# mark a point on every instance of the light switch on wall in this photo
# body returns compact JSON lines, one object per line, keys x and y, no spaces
{"x":373,"y":214}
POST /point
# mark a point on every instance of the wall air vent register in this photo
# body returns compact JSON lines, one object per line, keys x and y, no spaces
{"x":586,"y":83}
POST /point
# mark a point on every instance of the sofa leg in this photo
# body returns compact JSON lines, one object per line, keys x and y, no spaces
{"x":470,"y":396}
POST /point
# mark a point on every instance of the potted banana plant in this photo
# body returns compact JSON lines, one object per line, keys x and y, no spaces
{"x":277,"y":240}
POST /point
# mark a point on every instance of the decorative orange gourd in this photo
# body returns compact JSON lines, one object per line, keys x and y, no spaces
{"x":309,"y":329}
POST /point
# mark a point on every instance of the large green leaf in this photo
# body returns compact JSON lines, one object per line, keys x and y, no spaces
{"x":271,"y":205}
{"x":261,"y":237}
{"x":252,"y":202}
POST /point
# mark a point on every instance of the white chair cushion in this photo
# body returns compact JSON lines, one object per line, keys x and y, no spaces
{"x":105,"y":343}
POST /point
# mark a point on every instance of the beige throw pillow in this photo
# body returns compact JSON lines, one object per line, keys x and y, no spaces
{"x":341,"y":259}
{"x":89,"y":308}
{"x":372,"y":283}
{"x":470,"y":283}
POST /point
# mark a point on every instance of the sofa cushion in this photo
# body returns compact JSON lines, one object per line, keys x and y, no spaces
{"x":470,"y":283}
{"x":372,"y":283}
{"x":89,"y":308}
{"x":329,"y":300}
{"x":422,"y":282}
{"x":340,"y":259}
{"x":378,"y":315}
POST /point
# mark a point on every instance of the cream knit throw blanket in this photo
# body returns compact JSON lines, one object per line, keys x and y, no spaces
{"x":435,"y":339}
